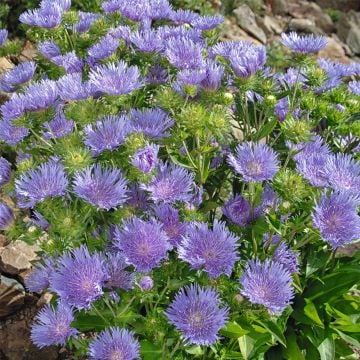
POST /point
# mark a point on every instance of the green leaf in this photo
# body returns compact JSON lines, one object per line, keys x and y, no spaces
{"x":311,"y":312}
{"x":150,"y":351}
{"x":246,"y":344}
{"x":86,"y":322}
{"x":293,"y":351}
{"x":333,"y":285}
{"x":349,"y":339}
{"x":266,"y":129}
{"x":274,"y":329}
{"x":327,"y":349}
{"x":233,"y":330}
{"x":195,"y":350}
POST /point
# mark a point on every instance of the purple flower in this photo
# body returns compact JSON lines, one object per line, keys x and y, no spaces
{"x":104,"y":48}
{"x":170,"y":219}
{"x":3,"y":36}
{"x":196,"y":313}
{"x":143,"y":243}
{"x":146,"y":159}
{"x":21,"y":74}
{"x":213,"y":77}
{"x":268,"y":284}
{"x":137,"y":197}
{"x":337,"y":220}
{"x":12,"y":135}
{"x":114,"y":343}
{"x":49,"y":49}
{"x":146,"y":283}
{"x":5,"y":171}
{"x":41,"y":95}
{"x":334,"y":69}
{"x":205,"y":23}
{"x":238,"y":211}
{"x":343,"y":174}
{"x":86,"y":19}
{"x":246,"y":63}
{"x":183,"y":16}
{"x":79,"y":278}
{"x":147,"y":40}
{"x":39,"y":278}
{"x":157,"y":75}
{"x":354,"y":86}
{"x":305,"y":43}
{"x":48,"y":16}
{"x":105,"y":188}
{"x":328,"y":85}
{"x":153,"y":123}
{"x":116,"y":79}
{"x":111,"y":6}
{"x":290,"y":78}
{"x":213,"y":250}
{"x":226,"y":48}
{"x":71,"y":87}
{"x":38,"y":220}
{"x":13,"y":108}
{"x":172,"y":183}
{"x":181,"y":33}
{"x":58,"y":127}
{"x":340,"y":107}
{"x":135,"y":10}
{"x":118,"y":276}
{"x":47,"y":180}
{"x":108,"y":134}
{"x":281,"y":108}
{"x":70,"y":62}
{"x":255,"y":162}
{"x":184,"y":53}
{"x":122,"y":32}
{"x":159,"y":9}
{"x":53,"y":326}
{"x":6,"y":216}
{"x":287,"y":258}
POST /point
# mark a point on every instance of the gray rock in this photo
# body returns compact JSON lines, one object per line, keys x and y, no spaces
{"x":271,"y":25}
{"x":247,"y":21}
{"x":349,"y":31}
{"x":12,"y":296}
{"x":17,"y":256}
{"x":342,"y":5}
{"x":304,"y":26}
{"x":280,"y":7}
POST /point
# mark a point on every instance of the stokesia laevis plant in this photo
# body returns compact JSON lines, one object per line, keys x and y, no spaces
{"x":189,"y":201}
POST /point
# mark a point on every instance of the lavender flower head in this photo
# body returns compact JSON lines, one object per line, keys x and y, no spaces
{"x":205,"y":23}
{"x":287,"y":258}
{"x":13,"y":108}
{"x":268,"y":284}
{"x":146,"y":159}
{"x":116,"y":79}
{"x":181,"y":16}
{"x":157,"y":75}
{"x":58,"y":127}
{"x":21,"y":74}
{"x":3,"y":36}
{"x":5,"y":171}
{"x":305,"y":43}
{"x":184,"y":53}
{"x":147,"y":40}
{"x":48,"y":16}
{"x":6,"y":216}
{"x":47,"y":180}
{"x":86,"y":19}
{"x":172,"y":183}
{"x":213,"y":250}
{"x":104,"y":48}
{"x":170,"y":219}
{"x":238,"y":211}
{"x":143,"y":243}
{"x":79,"y":278}
{"x":246,"y":63}
{"x":343,"y":174}
{"x":49,"y":49}
{"x":354,"y":86}
{"x":146,"y":283}
{"x":337,"y":220}
{"x":114,"y":343}
{"x":118,"y":276}
{"x":10,"y":134}
{"x":197,"y":314}
{"x":71,"y":87}
{"x":105,"y":188}
{"x":70,"y":62}
{"x":255,"y":162}
{"x":107,"y":134}
{"x":39,"y":278}
{"x":53,"y":326}
{"x":153,"y":123}
{"x":41,"y":95}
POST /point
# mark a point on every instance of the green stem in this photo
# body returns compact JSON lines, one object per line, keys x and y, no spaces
{"x":127,"y":306}
{"x":175,"y":349}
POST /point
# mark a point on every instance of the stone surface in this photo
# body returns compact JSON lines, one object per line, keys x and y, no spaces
{"x":28,"y":52}
{"x":342,"y":5}
{"x":271,"y":25}
{"x":5,"y":64}
{"x":312,"y":11}
{"x":17,"y":256}
{"x":280,"y":7}
{"x":334,"y":50}
{"x":233,"y":32}
{"x":3,"y":241}
{"x":12,"y":296}
{"x":306,"y":26}
{"x":247,"y":21}
{"x":44,"y":299}
{"x":348,"y":31}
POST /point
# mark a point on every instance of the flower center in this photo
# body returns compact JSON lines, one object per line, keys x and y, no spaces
{"x":255,"y":168}
{"x":196,"y":320}
{"x":117,"y":355}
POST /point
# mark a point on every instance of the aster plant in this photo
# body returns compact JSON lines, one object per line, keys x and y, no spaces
{"x":189,"y":199}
